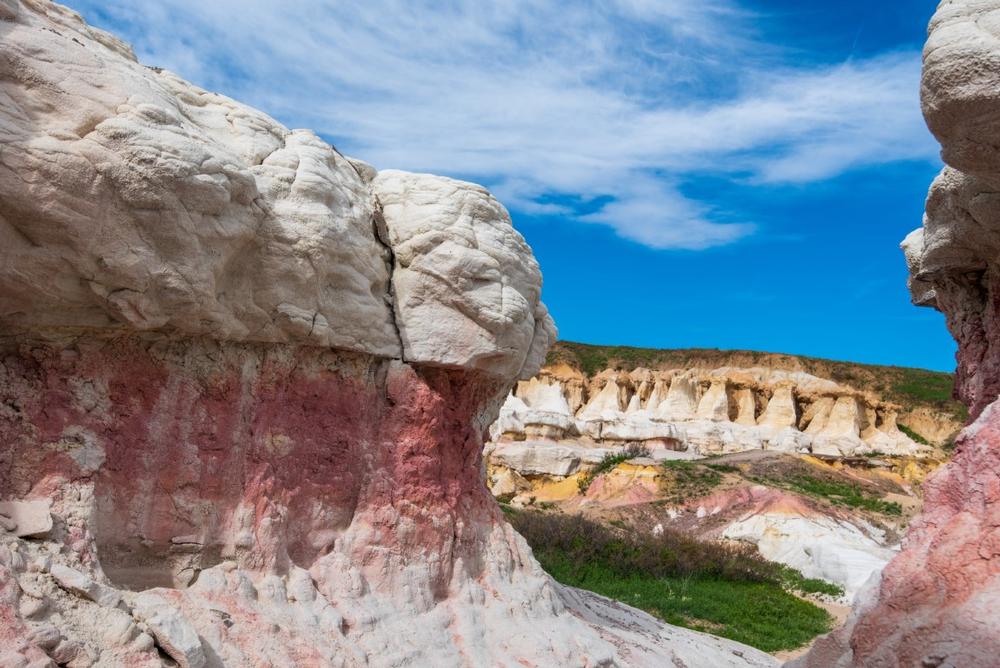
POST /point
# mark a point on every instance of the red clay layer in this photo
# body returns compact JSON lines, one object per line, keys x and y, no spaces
{"x":258,"y":453}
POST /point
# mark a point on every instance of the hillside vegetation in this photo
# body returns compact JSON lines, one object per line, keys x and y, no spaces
{"x":720,"y":588}
{"x":908,"y":387}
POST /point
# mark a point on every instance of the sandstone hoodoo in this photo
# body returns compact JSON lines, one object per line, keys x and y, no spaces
{"x":936,"y":602}
{"x":243,"y":391}
{"x":703,"y":403}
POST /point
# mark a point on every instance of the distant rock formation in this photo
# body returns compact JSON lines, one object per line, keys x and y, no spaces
{"x":244,"y":382}
{"x":560,"y":424}
{"x":936,"y":603}
{"x":700,"y":412}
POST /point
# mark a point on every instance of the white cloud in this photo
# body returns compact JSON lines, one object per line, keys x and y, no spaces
{"x":616,"y":101}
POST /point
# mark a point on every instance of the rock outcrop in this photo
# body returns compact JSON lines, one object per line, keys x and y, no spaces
{"x":699,"y":412}
{"x":836,"y":548}
{"x":936,"y":602}
{"x":244,"y":382}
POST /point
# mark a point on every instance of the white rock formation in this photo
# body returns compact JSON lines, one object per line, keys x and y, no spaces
{"x":680,"y":403}
{"x":541,"y":458}
{"x":26,"y":518}
{"x":780,"y":412}
{"x":466,"y":285}
{"x":714,"y":404}
{"x":83,"y":585}
{"x":831,"y":549}
{"x":173,"y":632}
{"x":132,"y":199}
{"x":708,"y":412}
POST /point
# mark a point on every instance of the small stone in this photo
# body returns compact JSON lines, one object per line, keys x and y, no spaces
{"x":46,"y":637}
{"x":85,"y":658}
{"x":143,"y":643}
{"x":31,"y":586}
{"x":26,"y":518}
{"x":66,"y":651}
{"x":120,"y":629}
{"x":41,"y":564}
{"x":173,"y":632}
{"x":33,"y":608}
{"x":82,"y":585}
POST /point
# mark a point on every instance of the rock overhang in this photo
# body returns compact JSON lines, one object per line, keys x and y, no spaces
{"x":154,"y":205}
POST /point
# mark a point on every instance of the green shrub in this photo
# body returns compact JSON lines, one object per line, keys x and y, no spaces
{"x":838,"y":493}
{"x":689,"y":480}
{"x":914,"y":436}
{"x":671,"y":553}
{"x":720,"y":588}
{"x":609,"y":462}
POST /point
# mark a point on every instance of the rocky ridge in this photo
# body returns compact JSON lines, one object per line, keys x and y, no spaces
{"x":243,"y":386}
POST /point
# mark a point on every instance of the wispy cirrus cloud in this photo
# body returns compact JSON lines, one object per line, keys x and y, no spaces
{"x":614,"y":104}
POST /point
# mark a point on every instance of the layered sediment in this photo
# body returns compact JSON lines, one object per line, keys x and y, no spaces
{"x":700,"y":412}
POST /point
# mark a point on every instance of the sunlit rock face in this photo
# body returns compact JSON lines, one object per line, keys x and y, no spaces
{"x":244,"y":383}
{"x":698,"y":412}
{"x":936,"y":602}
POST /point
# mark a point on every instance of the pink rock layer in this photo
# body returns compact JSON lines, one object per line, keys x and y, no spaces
{"x":971,"y":303}
{"x":936,"y":604}
{"x":264,"y":455}
{"x":274,"y":458}
{"x":279,"y":505}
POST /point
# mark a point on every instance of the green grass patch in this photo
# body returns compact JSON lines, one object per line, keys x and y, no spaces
{"x":724,"y":468}
{"x":762,"y":615}
{"x":724,"y":589}
{"x":609,"y":462}
{"x":914,"y":436}
{"x":838,"y":493}
{"x":795,"y":581}
{"x":925,"y":386}
{"x":689,"y":480}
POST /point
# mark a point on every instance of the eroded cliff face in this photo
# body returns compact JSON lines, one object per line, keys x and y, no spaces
{"x":699,"y":412}
{"x":244,"y":382}
{"x":936,"y":602}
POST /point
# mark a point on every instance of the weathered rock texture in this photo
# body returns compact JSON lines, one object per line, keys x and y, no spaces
{"x":244,"y":383}
{"x":699,"y":412}
{"x":936,"y":603}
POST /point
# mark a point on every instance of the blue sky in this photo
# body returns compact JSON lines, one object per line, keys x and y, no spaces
{"x":720,"y":173}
